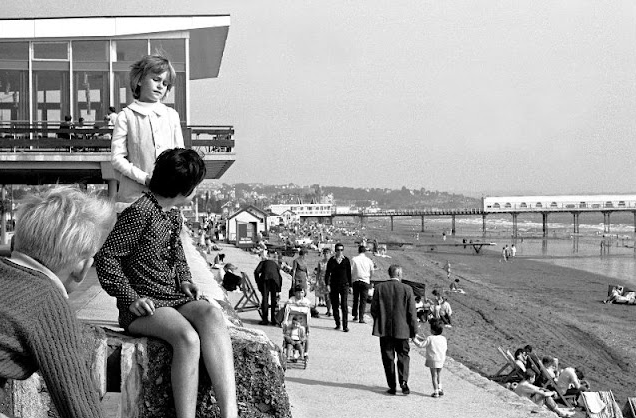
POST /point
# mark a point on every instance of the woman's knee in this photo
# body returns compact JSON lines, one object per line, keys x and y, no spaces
{"x":212,"y":316}
{"x":186,"y":338}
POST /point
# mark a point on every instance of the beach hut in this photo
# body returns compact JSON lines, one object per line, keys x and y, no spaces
{"x":244,"y":226}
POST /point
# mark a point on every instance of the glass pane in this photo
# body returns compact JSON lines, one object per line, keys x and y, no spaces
{"x":176,"y":98}
{"x":93,"y":51}
{"x":173,"y":49}
{"x":50,"y":51}
{"x":91,"y":95}
{"x":51,"y":95}
{"x":123,"y":95}
{"x":14,"y":96}
{"x":131,"y":50}
{"x":14,"y":51}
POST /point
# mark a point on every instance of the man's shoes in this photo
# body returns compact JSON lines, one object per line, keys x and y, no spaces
{"x":391,"y":391}
{"x":362,"y":321}
{"x":337,"y":327}
{"x":441,"y":392}
{"x":263,"y":323}
{"x":328,"y":314}
{"x":275,"y":324}
{"x":355,"y":318}
{"x":345,"y":329}
{"x":435,"y":395}
{"x":405,"y":388}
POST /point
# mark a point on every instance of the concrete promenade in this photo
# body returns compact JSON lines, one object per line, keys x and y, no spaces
{"x":344,"y":377}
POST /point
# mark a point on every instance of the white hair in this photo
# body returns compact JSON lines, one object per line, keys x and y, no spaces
{"x":62,"y":226}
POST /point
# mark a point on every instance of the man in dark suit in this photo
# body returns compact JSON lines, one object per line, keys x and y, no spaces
{"x":394,"y":321}
{"x":269,"y":281}
{"x":338,"y":281}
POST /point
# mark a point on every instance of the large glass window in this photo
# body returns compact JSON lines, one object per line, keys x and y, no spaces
{"x":131,"y":49}
{"x":10,"y":51}
{"x":91,"y":95}
{"x":51,"y":95}
{"x":176,"y":98}
{"x":90,"y":51}
{"x":173,"y":49}
{"x":14,"y":96}
{"x":123,"y":95}
{"x":50,"y":51}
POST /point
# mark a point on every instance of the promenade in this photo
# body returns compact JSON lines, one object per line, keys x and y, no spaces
{"x":344,"y":377}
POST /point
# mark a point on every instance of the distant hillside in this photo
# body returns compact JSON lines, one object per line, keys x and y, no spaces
{"x":400,"y":198}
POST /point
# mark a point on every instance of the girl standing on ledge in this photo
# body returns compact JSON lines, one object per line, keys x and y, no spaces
{"x":145,"y":128}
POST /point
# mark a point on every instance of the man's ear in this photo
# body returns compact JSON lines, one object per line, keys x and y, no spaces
{"x":81,"y":269}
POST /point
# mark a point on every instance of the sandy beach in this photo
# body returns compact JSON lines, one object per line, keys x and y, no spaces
{"x":557,"y":310}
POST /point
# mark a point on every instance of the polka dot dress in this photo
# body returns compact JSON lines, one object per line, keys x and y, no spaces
{"x":143,"y":257}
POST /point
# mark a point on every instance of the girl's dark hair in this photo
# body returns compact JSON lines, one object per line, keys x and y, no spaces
{"x":436,"y":327}
{"x":519,"y":351}
{"x":177,"y":171}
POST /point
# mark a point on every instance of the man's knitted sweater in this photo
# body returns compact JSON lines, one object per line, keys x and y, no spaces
{"x":38,"y":331}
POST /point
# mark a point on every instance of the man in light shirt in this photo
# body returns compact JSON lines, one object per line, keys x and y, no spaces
{"x":361,"y":273}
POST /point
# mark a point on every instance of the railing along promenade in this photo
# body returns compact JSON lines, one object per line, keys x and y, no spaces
{"x":605,"y":208}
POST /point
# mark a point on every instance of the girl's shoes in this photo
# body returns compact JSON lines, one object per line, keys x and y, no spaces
{"x":328,"y":314}
{"x":441,"y":392}
{"x":435,"y":395}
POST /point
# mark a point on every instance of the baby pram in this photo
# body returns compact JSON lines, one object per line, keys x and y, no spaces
{"x":303,"y":313}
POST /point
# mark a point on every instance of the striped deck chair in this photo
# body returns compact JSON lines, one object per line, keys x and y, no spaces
{"x":568,"y":400}
{"x":629,"y":411}
{"x":600,"y":405}
{"x":516,"y":374}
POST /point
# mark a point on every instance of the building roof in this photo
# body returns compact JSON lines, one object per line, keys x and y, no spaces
{"x":207,"y":33}
{"x":252,"y":210}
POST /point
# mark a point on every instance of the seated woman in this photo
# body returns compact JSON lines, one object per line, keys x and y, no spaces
{"x":526,"y":388}
{"x":617,"y":296}
{"x":520,"y":358}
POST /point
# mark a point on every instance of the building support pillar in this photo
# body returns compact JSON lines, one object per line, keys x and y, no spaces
{"x":3,"y":213}
{"x":514,"y":224}
{"x":391,"y":222}
{"x":453,"y":225}
{"x":545,"y":223}
{"x":423,"y":221}
{"x":483,"y":224}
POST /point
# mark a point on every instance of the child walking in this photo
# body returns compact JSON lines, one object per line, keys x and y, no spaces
{"x":435,"y":346}
{"x":143,"y":265}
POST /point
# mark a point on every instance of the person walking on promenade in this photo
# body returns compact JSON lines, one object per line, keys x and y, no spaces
{"x":338,"y":280}
{"x":269,"y":281}
{"x":321,"y":287}
{"x":143,"y":265}
{"x":394,"y":321}
{"x":54,"y":242}
{"x":436,"y":345}
{"x":447,"y":268}
{"x":299,"y":272}
{"x":361,"y":273}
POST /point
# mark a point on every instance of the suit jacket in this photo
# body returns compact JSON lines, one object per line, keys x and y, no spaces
{"x":393,"y":310}
{"x":268,"y":270}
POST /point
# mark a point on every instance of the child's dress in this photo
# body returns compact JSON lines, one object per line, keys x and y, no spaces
{"x":143,"y":257}
{"x":435,"y":351}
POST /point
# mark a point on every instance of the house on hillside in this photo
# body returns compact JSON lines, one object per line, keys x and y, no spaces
{"x":243,"y":226}
{"x":286,"y":219}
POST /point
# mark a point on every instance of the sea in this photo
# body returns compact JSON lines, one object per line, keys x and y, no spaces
{"x":616,"y":258}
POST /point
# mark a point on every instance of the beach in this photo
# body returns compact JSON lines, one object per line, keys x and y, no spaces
{"x":557,"y":310}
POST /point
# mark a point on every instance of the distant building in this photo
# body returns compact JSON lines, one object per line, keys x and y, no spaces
{"x":286,"y":218}
{"x":243,"y":226}
{"x":306,"y":212}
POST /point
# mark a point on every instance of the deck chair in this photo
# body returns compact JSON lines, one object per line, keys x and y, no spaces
{"x":629,"y":410}
{"x":568,"y":400}
{"x":600,"y":405}
{"x":419,"y":289}
{"x":516,"y":374}
{"x":249,"y":301}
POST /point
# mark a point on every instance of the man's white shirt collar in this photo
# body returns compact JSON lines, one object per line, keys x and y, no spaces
{"x":28,"y":262}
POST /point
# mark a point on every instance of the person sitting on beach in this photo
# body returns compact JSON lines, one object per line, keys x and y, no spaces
{"x":55,"y":239}
{"x":520,"y":359}
{"x":442,"y":311}
{"x":570,"y":381}
{"x":526,"y":388}
{"x":617,"y":296}
{"x":454,"y":287}
{"x":231,"y":280}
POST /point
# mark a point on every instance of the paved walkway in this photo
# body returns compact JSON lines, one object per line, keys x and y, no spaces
{"x":344,"y":377}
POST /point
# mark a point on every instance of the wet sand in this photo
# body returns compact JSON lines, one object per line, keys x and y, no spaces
{"x":557,"y":310}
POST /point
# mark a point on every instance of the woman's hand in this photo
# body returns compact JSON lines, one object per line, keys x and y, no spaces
{"x":191,"y":289}
{"x":142,"y":307}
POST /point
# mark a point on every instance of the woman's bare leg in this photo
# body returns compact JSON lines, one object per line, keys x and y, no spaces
{"x":216,"y":349}
{"x":169,"y":325}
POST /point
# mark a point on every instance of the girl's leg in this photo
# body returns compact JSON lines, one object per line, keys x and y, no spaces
{"x":216,"y":349}
{"x":434,"y":379}
{"x":301,"y":350}
{"x":169,"y":325}
{"x":439,"y":381}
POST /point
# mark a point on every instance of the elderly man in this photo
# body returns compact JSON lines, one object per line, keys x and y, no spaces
{"x":268,"y":280}
{"x":394,"y":321}
{"x":55,"y":239}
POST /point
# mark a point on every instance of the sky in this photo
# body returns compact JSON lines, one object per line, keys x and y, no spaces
{"x":476,"y":97}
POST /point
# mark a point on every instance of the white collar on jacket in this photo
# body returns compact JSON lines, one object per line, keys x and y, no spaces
{"x":146,"y":109}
